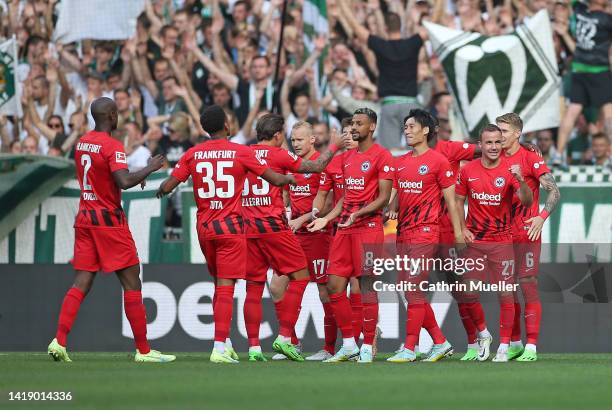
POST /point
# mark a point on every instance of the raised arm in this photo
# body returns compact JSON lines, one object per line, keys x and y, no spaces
{"x":226,"y":78}
{"x":524,"y":193}
{"x":126,"y":179}
{"x":319,"y":164}
{"x":360,"y":31}
{"x":167,"y":186}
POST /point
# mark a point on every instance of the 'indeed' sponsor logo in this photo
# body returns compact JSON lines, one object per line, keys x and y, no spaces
{"x":411,"y":185}
{"x":350,"y":181}
{"x":300,"y":189}
{"x":483,"y":196}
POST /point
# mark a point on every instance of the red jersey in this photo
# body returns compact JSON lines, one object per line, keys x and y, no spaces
{"x":332,"y":178}
{"x":362,"y":171}
{"x":419,"y":181}
{"x":490,"y":195}
{"x":532,"y":168}
{"x":303,"y":193}
{"x":97,"y":156}
{"x":454,"y":152}
{"x":264,"y":210}
{"x":218,"y":169}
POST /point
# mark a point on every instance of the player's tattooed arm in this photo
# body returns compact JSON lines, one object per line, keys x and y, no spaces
{"x":317,"y":165}
{"x":125,"y":179}
{"x":277,"y":179}
{"x":552,"y":199}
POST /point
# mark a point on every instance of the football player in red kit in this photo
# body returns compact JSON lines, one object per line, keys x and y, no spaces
{"x":368,"y":177}
{"x":527,"y":222}
{"x":421,"y":177}
{"x":489,"y":185}
{"x":332,"y":180}
{"x":103,"y":240}
{"x":270,"y":242}
{"x":218,"y":169}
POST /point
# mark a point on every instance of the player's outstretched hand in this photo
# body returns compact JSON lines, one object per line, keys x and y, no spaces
{"x":297,"y":223}
{"x":392,"y":214}
{"x":317,"y":224}
{"x":156,"y":162}
{"x":535,"y":229}
{"x":532,"y":148}
{"x":515,"y":169}
{"x":349,"y":221}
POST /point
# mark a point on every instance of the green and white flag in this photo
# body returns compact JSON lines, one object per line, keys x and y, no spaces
{"x":314,"y":13}
{"x":9,"y":98}
{"x":490,"y":76}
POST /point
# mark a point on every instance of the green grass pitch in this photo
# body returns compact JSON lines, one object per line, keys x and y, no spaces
{"x":111,"y":380}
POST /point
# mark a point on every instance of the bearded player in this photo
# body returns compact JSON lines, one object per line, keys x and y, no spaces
{"x":527,"y":225}
{"x":270,"y":242}
{"x":103,"y":240}
{"x":490,"y":185}
{"x":368,"y":178}
{"x":218,"y":169}
{"x":421,"y":177}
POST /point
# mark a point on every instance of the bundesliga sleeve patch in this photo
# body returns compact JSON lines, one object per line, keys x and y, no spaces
{"x":120,"y":157}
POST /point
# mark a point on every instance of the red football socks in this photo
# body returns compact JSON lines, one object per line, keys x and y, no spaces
{"x":506,"y":320}
{"x":477,"y":315}
{"x":414,"y":321}
{"x":253,"y":311}
{"x":516,"y":326}
{"x":468,"y":324}
{"x":342,"y":313}
{"x":222,"y":311}
{"x":137,"y":316}
{"x":430,"y":324}
{"x":329,"y":327}
{"x":291,"y":306}
{"x":370,"y":320}
{"x":533,"y":316}
{"x":68,"y":313}
{"x":357,"y":314}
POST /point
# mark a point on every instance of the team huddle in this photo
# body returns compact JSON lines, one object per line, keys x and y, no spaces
{"x":242,"y":193}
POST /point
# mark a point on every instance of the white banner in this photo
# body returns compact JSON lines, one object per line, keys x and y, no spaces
{"x":97,"y":19}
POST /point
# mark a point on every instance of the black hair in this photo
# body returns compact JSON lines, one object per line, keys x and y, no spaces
{"x":213,"y":119}
{"x":268,"y":125}
{"x":425,"y":119}
{"x":366,"y":111}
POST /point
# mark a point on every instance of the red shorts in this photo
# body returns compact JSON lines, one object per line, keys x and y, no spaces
{"x":316,"y":248}
{"x":526,"y":254}
{"x":106,"y":249}
{"x":447,"y":244}
{"x":492,"y":262}
{"x":420,"y":245}
{"x":347,"y":255}
{"x":279,"y":250}
{"x":225,"y":255}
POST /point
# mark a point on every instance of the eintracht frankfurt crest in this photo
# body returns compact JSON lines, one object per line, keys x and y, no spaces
{"x":490,"y":76}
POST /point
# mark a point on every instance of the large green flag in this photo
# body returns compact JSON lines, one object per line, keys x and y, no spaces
{"x":491,"y":76}
{"x":314,"y":13}
{"x":9,"y":99}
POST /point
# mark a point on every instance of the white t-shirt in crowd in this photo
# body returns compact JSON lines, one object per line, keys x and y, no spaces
{"x":138,"y":159}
